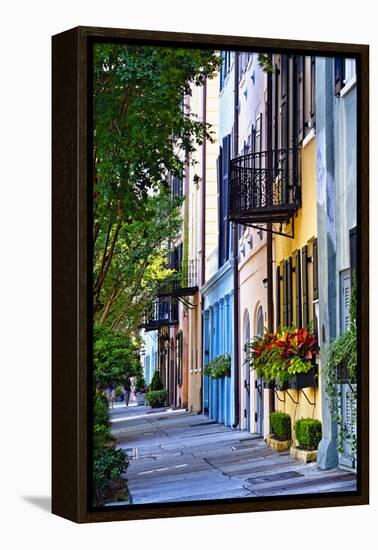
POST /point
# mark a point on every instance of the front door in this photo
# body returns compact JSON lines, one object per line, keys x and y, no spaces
{"x":259,"y":387}
{"x":247,"y":376}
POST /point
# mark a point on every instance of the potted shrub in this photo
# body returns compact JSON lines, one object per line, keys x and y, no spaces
{"x":156,"y":398}
{"x":308,"y":432}
{"x":279,"y":438}
{"x":140,"y":390}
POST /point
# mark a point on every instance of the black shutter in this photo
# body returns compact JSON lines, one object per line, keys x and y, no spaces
{"x":225,"y":170}
{"x":339,"y":74}
{"x":289,"y":277}
{"x":300,"y":97}
{"x":278,"y":298}
{"x":313,"y":92}
{"x":304,"y":287}
{"x":284,"y":121}
{"x":220,"y":229}
{"x":284,"y":295}
{"x":315,"y":269}
{"x":353,"y":250}
{"x":298,"y":289}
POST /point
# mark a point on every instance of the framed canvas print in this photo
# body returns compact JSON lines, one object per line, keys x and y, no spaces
{"x":210,"y":274}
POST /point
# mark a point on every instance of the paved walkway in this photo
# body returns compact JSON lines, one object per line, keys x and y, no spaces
{"x":175,"y":456}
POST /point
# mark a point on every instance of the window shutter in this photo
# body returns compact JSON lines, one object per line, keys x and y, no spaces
{"x":345,"y":299}
{"x":220,"y":231}
{"x":339,"y":74}
{"x":353,"y":249}
{"x":313,"y":91}
{"x":289,"y":277}
{"x":284,"y":120}
{"x":225,"y":169}
{"x":300,"y":97}
{"x":284,"y":295}
{"x":278,"y":298}
{"x":304,"y":287}
{"x":298,"y":287}
{"x":284,"y":102}
{"x":315,"y":269}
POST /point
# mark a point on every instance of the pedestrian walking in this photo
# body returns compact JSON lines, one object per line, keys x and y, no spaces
{"x":127,"y":388}
{"x":111,"y":395}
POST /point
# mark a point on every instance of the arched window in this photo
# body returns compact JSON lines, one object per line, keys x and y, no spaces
{"x":260,"y":322}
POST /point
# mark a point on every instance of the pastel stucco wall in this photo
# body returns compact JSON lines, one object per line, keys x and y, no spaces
{"x":305,"y":230}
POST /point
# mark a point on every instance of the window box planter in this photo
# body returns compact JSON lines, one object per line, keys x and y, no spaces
{"x":304,"y":379}
{"x":303,"y":455}
{"x":276,"y":444}
{"x":342,"y":373}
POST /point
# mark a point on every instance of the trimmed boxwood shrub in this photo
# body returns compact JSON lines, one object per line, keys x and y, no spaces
{"x":280,"y":425}
{"x":156,"y":398}
{"x":308,"y":432}
{"x":156,"y":383}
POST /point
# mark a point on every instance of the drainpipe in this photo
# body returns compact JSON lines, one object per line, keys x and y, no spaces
{"x":235,"y":249}
{"x":203,"y":228}
{"x":269,"y":254}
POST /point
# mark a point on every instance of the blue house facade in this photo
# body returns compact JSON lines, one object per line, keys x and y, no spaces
{"x":218,"y":290}
{"x":218,"y":339}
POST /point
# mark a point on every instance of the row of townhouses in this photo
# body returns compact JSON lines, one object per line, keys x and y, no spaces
{"x":268,"y":239}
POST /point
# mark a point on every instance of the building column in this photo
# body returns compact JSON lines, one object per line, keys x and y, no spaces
{"x":327,"y":450}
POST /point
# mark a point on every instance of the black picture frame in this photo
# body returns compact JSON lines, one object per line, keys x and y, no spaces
{"x":71,"y":296}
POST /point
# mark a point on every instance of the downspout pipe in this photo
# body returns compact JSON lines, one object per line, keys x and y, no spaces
{"x":269,"y":255}
{"x":235,"y":249}
{"x":202,"y":277}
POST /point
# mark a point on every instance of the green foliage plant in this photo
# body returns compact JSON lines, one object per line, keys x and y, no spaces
{"x":342,"y":353}
{"x":156,"y":383}
{"x":308,"y":432}
{"x":156,"y":398}
{"x":219,"y":367}
{"x":277,"y":356}
{"x":280,"y":425}
{"x":109,"y":463}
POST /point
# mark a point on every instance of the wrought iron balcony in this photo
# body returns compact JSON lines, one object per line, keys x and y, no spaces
{"x":265,"y":187}
{"x":163,"y":313}
{"x":183,"y":282}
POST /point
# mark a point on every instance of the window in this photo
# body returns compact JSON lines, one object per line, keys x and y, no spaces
{"x":224,"y":225}
{"x":345,"y":71}
{"x":226,"y":57}
{"x":260,"y":322}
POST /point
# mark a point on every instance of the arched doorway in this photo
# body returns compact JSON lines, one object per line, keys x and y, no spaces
{"x":259,"y":388}
{"x":247,"y":373}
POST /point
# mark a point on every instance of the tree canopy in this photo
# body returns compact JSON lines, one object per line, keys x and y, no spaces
{"x":143,"y":135}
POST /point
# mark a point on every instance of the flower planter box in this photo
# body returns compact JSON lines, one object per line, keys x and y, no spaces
{"x":342,"y":373}
{"x":276,"y":444}
{"x":302,"y":455}
{"x":275,"y":385}
{"x":268,"y":385}
{"x":140,"y":398}
{"x":304,"y":379}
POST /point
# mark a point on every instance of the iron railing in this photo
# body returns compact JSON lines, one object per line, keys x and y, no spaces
{"x":162,"y":313}
{"x":265,"y":186}
{"x":183,"y":282}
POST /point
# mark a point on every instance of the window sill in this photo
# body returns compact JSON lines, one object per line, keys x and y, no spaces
{"x":348,"y":86}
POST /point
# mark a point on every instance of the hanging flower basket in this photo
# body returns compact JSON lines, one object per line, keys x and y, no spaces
{"x":304,"y":379}
{"x":219,"y":367}
{"x":279,"y":357}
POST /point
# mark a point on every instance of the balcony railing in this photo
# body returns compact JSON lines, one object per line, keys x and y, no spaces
{"x":181,"y":283}
{"x":163,"y":313}
{"x":265,"y":186}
